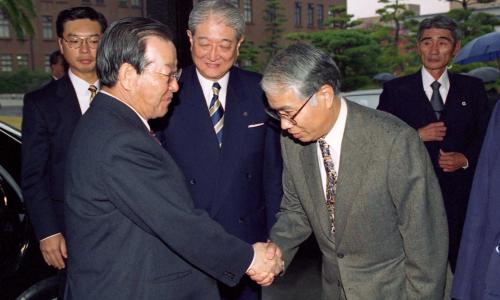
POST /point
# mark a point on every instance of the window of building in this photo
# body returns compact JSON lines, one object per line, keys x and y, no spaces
{"x":47,"y":27}
{"x":99,"y":2}
{"x":122,"y":3}
{"x":46,"y":63}
{"x":4,"y":27}
{"x":298,"y":14}
{"x":310,"y":15}
{"x":22,"y":60}
{"x":247,"y":11}
{"x":85,"y":2}
{"x":5,"y":62}
{"x":236,"y":3}
{"x":321,"y":19}
{"x":136,"y":3}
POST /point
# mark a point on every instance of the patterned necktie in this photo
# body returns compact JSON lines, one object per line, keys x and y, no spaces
{"x":331,"y":180}
{"x":93,"y":91}
{"x":217,"y":112}
{"x":436,"y":100}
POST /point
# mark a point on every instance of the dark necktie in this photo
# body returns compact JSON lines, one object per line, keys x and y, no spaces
{"x":436,"y":100}
{"x":217,"y":112}
{"x":331,"y":181}
{"x":93,"y":91}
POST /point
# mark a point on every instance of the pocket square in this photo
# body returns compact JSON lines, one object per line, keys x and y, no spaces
{"x":255,"y":125}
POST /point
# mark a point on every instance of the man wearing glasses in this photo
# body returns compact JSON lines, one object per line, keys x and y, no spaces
{"x":360,"y":180}
{"x":50,"y":115}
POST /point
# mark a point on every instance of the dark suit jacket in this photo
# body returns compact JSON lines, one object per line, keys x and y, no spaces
{"x":50,"y":115}
{"x":465,"y":116}
{"x":132,"y":229}
{"x":240,"y":183}
{"x":478,"y":269}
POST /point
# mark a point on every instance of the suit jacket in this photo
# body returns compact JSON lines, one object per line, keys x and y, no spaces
{"x":239,"y":184}
{"x":50,"y":115}
{"x":478,"y":269}
{"x":465,"y":116}
{"x":132,"y":229}
{"x":390,"y":240}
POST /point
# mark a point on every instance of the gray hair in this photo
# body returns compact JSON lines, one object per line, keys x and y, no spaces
{"x":231,"y":15}
{"x":302,"y":68}
{"x":440,"y":22}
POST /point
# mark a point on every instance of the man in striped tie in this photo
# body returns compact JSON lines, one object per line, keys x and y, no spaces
{"x":219,"y":134}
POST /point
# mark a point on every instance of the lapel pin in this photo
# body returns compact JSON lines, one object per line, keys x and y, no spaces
{"x":464,"y":103}
{"x":245,"y":113}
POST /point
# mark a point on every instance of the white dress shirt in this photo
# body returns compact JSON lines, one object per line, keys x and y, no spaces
{"x":206,"y":86}
{"x":82,"y":90}
{"x":427,"y":80}
{"x":334,"y":139}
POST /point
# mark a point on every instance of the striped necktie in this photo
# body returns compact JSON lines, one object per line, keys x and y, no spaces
{"x":331,"y":181}
{"x":217,"y":112}
{"x":93,"y":91}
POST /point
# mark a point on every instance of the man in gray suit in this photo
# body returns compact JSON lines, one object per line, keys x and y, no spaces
{"x":360,"y":180}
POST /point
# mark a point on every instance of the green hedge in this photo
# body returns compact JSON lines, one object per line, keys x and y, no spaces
{"x":22,"y":81}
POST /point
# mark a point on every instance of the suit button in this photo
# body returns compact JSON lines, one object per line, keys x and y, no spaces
{"x":249,"y":175}
{"x":192,"y":181}
{"x":340,"y":255}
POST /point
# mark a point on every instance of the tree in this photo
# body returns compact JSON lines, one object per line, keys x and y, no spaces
{"x":340,"y":19}
{"x":274,"y":20}
{"x":248,"y":56}
{"x":354,"y":51}
{"x":19,"y":13}
{"x":465,"y":3}
{"x":397,"y":13}
{"x":472,"y":24}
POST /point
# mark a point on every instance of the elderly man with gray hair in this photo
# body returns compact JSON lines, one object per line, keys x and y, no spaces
{"x":220,"y":136}
{"x":360,"y":180}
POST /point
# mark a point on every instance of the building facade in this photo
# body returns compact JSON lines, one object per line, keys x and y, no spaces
{"x":32,"y":53}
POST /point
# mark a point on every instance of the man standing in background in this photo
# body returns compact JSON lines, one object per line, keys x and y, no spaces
{"x":50,"y":115}
{"x":219,"y":134}
{"x":450,"y":113}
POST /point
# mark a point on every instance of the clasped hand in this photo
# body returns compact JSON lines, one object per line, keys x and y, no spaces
{"x":267,"y":263}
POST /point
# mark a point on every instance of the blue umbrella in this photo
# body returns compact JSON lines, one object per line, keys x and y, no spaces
{"x":483,"y":48}
{"x":486,"y":74}
{"x":383,"y":77}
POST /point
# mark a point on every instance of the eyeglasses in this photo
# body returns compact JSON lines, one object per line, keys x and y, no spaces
{"x":291,"y":119}
{"x":76,"y":42}
{"x":170,"y":77}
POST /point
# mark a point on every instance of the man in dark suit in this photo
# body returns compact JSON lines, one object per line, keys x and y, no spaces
{"x":50,"y":115}
{"x":360,"y":180}
{"x":477,"y":276}
{"x":450,"y":113}
{"x":58,"y":65}
{"x":231,"y":160}
{"x":132,"y":229}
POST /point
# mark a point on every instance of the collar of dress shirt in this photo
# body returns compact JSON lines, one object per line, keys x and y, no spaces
{"x":427,"y":80}
{"x":140,"y":117}
{"x":335,"y":136}
{"x":82,"y":90}
{"x":206,"y":86}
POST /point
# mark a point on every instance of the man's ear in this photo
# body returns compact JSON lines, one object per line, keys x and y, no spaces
{"x":191,"y":37}
{"x":238,"y":45}
{"x":127,"y":76}
{"x":457,"y":48}
{"x":326,"y":94}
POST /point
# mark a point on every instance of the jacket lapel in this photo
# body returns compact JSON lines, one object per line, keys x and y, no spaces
{"x":67,"y":101}
{"x":309,"y":160}
{"x":354,"y":160}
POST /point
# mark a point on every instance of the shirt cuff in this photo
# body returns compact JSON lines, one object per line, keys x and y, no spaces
{"x":253,"y":259}
{"x":55,"y":235}
{"x":466,"y":164}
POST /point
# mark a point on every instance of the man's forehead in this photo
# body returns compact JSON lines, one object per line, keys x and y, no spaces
{"x":436,"y":33}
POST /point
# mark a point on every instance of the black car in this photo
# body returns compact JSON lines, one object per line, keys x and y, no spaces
{"x":23,"y":273}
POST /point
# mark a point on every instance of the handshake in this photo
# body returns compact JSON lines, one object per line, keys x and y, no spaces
{"x":267,"y":263}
